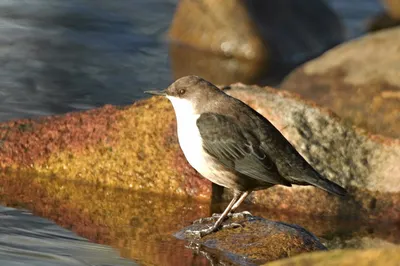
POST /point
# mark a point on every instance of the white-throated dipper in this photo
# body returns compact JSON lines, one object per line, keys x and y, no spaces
{"x":234,"y":146}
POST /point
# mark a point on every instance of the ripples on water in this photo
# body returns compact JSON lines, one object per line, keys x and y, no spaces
{"x":29,"y":240}
{"x":58,"y":56}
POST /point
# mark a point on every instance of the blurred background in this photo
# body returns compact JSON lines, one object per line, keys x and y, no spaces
{"x":58,"y":56}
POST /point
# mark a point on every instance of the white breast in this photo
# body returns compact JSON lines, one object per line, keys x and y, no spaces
{"x":192,"y":146}
{"x":188,"y":134}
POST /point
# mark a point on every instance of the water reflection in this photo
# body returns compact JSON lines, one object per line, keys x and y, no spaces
{"x":141,"y":225}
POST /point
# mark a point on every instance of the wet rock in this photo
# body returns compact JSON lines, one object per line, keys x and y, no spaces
{"x":358,"y":80}
{"x":379,"y":257}
{"x":256,"y":241}
{"x":252,"y":30}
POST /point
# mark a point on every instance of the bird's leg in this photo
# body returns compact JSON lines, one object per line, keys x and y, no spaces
{"x":215,"y":226}
{"x":237,"y":204}
{"x":243,"y":214}
{"x":216,"y":216}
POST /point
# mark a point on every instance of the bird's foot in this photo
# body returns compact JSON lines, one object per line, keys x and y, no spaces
{"x":214,"y":217}
{"x":201,"y":233}
{"x":231,"y":225}
{"x":240,"y":215}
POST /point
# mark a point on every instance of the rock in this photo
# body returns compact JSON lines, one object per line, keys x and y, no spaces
{"x":382,"y":21}
{"x":378,"y":257}
{"x":252,"y":30}
{"x":219,"y":69}
{"x":358,"y":80}
{"x":211,"y":26}
{"x":363,"y":163}
{"x":116,"y":175}
{"x":393,"y":8}
{"x":135,"y":148}
{"x":108,"y":146}
{"x":256,"y":241}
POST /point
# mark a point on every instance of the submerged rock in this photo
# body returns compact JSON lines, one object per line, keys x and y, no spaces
{"x":378,"y":257}
{"x":256,"y":241}
{"x":358,"y":80}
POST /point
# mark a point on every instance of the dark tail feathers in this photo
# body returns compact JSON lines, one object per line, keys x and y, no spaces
{"x":329,"y":186}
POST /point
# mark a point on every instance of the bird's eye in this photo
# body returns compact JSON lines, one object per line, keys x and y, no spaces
{"x":181,"y":91}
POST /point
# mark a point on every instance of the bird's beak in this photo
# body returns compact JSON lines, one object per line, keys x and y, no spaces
{"x":159,"y":93}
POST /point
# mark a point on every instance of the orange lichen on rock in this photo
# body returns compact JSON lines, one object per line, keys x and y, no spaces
{"x":29,"y":141}
{"x":133,"y":147}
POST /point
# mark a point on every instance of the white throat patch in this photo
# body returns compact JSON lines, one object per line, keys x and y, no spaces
{"x":182,"y":107}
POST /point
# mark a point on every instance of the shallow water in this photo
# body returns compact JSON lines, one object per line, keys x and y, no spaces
{"x":26,"y":239}
{"x":58,"y":56}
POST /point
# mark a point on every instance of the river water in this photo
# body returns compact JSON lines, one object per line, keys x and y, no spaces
{"x":58,"y":56}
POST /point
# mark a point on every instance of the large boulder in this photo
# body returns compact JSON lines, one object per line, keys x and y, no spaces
{"x":136,"y":148}
{"x":237,"y":32}
{"x":116,"y":175}
{"x":358,"y":80}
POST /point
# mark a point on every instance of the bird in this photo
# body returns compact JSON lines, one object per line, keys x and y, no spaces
{"x":234,"y":146}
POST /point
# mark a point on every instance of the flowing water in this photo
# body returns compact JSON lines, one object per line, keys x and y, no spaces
{"x":58,"y":56}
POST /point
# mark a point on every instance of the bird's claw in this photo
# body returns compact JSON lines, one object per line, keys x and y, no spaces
{"x":216,"y":215}
{"x":231,"y":226}
{"x":213,"y":219}
{"x":200,"y":233}
{"x":240,"y":215}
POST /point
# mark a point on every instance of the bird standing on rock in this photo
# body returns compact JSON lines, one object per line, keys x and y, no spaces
{"x":233,"y":146}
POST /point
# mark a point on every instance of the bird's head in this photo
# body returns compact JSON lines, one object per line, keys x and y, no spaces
{"x":189,"y":90}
